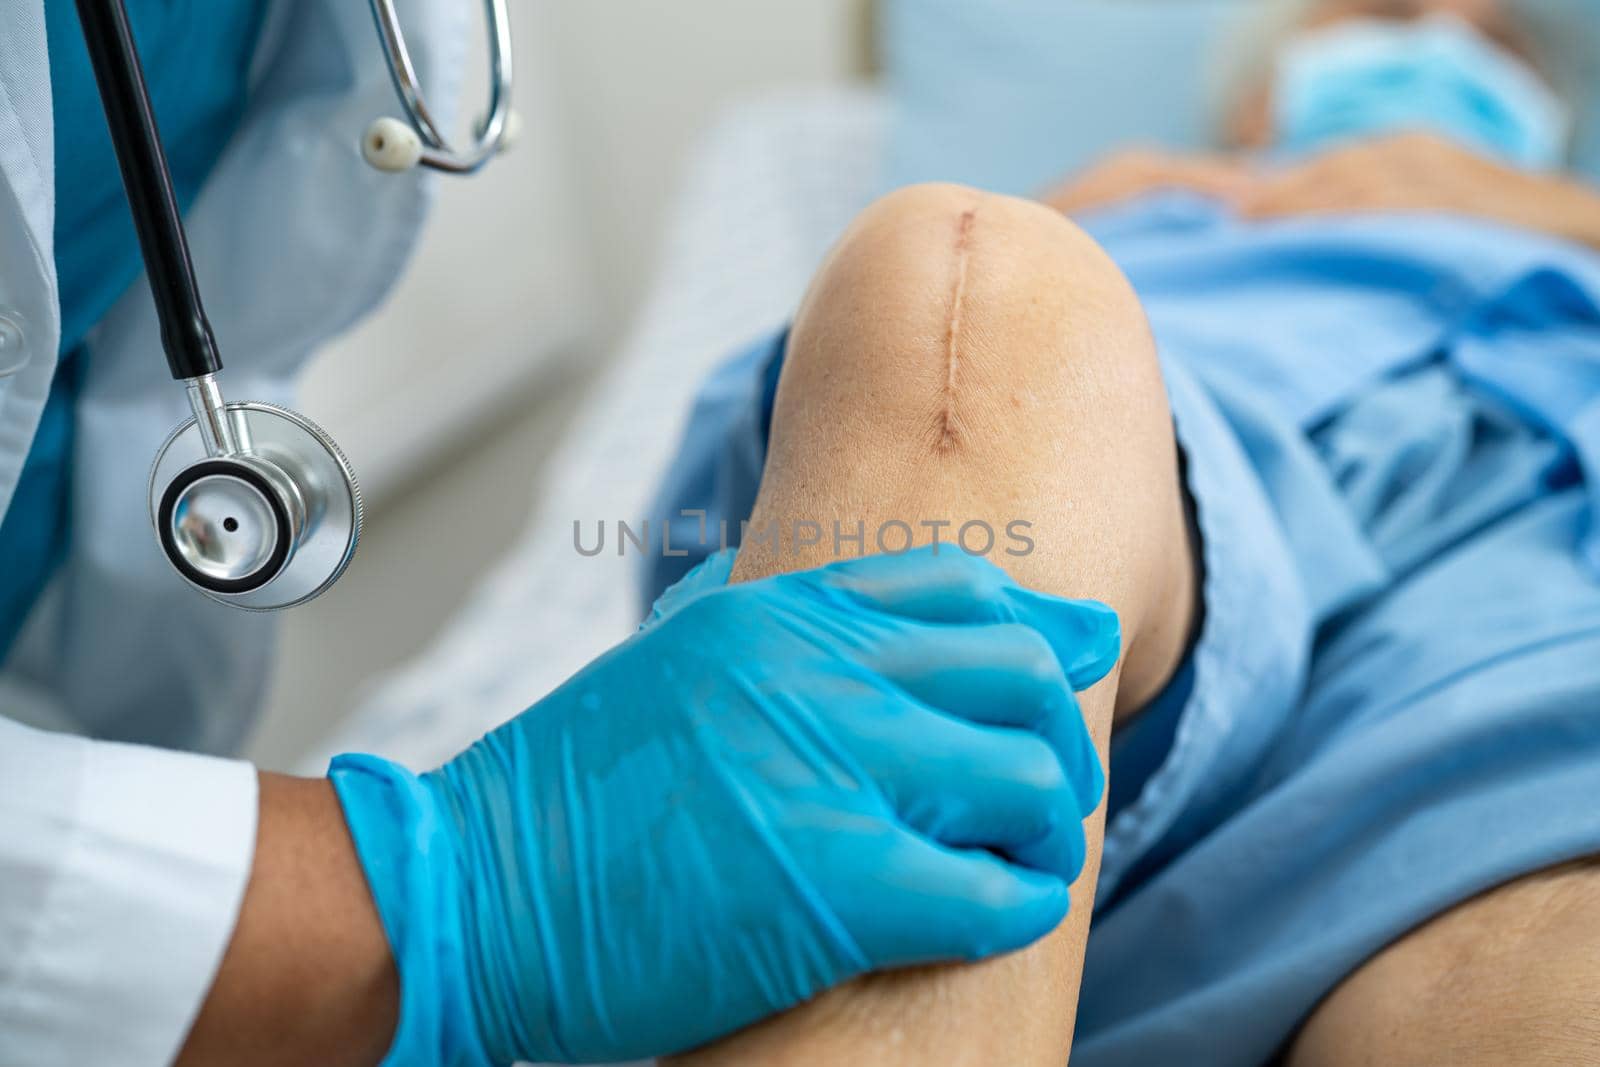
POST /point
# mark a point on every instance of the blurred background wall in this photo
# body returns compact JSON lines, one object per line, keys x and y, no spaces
{"x":525,"y":282}
{"x":639,"y":78}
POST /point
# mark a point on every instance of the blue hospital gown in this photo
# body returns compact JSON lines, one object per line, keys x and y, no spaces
{"x":1391,"y":433}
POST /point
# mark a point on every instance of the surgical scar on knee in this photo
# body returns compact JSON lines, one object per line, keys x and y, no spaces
{"x":946,"y":435}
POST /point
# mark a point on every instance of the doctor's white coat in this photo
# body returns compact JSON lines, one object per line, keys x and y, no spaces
{"x":122,"y":866}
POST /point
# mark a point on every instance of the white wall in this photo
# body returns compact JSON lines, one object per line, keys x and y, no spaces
{"x":549,"y":250}
{"x":539,"y":260}
{"x":501,"y":289}
{"x":639,"y":78}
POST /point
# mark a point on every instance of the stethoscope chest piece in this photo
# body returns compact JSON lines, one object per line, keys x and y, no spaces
{"x":254,"y":505}
{"x":271,"y":523}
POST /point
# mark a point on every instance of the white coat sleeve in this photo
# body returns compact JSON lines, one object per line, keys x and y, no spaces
{"x":121,"y":873}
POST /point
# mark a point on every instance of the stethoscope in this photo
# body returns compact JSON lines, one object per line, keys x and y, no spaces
{"x":253,"y":504}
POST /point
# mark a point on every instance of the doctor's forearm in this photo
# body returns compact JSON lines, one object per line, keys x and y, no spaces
{"x":308,"y":976}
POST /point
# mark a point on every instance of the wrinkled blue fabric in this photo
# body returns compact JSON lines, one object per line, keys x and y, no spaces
{"x":772,"y":788}
{"x":1392,"y":434}
{"x":1391,"y":442}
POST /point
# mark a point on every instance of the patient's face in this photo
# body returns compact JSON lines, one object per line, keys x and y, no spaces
{"x":1250,"y":124}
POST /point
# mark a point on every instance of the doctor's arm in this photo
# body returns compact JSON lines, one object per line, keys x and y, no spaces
{"x":670,"y":846}
{"x":308,"y":976}
{"x":122,"y":871}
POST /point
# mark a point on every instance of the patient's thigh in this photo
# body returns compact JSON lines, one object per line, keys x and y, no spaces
{"x":1510,"y":977}
{"x":964,"y":358}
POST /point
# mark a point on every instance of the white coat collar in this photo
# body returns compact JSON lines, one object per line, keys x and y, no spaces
{"x":27,"y":229}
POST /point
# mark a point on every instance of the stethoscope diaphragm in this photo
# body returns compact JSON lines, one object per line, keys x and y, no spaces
{"x":269,"y":525}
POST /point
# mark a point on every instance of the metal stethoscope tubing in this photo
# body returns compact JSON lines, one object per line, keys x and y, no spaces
{"x":395,"y":144}
{"x":253,"y":504}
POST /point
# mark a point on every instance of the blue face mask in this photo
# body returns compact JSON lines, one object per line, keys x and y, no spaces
{"x":1371,"y":76}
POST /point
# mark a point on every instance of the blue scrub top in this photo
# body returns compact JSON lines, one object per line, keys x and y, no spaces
{"x":197,"y":56}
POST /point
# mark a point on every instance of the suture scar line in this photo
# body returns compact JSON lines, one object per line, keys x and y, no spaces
{"x":958,"y":295}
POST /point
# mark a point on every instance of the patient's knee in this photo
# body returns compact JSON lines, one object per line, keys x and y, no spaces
{"x":981,"y":356}
{"x":956,"y":318}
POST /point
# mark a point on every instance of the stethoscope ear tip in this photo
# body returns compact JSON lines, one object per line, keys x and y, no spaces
{"x":391,"y":145}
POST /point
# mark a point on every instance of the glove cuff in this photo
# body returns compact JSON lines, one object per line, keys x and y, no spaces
{"x":408,"y":853}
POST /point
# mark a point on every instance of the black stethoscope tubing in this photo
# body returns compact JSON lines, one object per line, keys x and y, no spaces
{"x":186,"y":336}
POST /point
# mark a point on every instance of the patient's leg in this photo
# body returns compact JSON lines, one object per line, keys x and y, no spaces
{"x":960,"y":357}
{"x":1509,"y":977}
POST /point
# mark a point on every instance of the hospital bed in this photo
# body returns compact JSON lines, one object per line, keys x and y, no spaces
{"x":989,"y":94}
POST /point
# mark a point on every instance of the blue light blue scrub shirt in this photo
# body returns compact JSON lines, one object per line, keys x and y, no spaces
{"x":196,"y":56}
{"x":1391,"y":433}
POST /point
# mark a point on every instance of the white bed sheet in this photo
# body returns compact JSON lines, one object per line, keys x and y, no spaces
{"x":772,"y":185}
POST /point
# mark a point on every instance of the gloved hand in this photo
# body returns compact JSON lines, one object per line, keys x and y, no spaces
{"x":775,"y":787}
{"x":710,"y":574}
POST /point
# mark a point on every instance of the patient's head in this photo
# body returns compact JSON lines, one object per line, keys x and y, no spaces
{"x":1492,"y":18}
{"x":1339,"y":70}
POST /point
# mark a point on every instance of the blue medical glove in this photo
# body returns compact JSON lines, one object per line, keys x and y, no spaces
{"x":709,"y":574}
{"x":774,"y":788}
